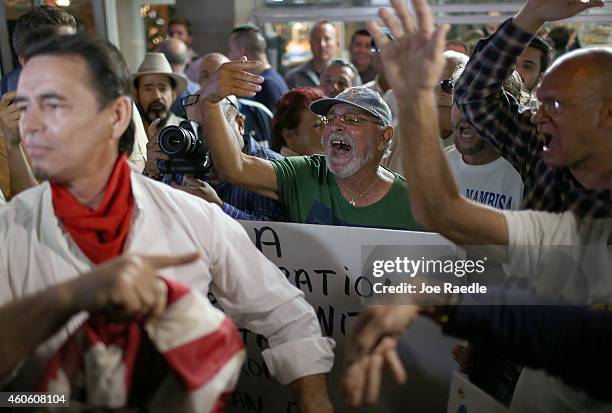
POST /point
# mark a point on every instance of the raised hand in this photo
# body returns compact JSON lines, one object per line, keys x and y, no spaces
{"x":232,"y":78}
{"x":127,"y":287}
{"x":9,"y":119}
{"x":537,"y":12}
{"x":413,"y":61}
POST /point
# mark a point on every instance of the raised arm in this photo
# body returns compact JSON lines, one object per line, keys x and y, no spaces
{"x":413,"y":63}
{"x":494,"y":113}
{"x":232,"y":165}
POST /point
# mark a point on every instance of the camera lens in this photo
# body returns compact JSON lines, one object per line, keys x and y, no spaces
{"x":177,"y":141}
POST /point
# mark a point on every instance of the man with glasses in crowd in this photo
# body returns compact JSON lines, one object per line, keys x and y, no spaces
{"x":346,"y":186}
{"x":571,"y":120}
{"x":444,"y":94}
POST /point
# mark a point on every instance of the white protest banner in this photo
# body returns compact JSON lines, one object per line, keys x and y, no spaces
{"x":324,"y":262}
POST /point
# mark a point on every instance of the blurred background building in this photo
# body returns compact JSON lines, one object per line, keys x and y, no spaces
{"x":136,"y":26}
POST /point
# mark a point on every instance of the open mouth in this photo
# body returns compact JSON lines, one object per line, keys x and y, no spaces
{"x":466,"y":132}
{"x":546,"y":139}
{"x":339,"y":145}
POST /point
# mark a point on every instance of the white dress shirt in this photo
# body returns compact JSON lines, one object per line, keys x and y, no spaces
{"x":36,"y":252}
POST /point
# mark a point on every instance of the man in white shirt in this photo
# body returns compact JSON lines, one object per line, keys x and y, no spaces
{"x":481,"y":174}
{"x":74,"y":129}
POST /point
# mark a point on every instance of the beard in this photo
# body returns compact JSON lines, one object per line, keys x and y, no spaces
{"x":358,"y":160}
{"x":157,"y":109}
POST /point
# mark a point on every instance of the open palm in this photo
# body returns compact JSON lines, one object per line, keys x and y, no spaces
{"x":414,"y":59}
{"x":553,"y":10}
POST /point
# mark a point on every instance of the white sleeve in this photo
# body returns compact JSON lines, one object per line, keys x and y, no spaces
{"x":2,"y":199}
{"x":253,"y":291}
{"x":530,"y":236}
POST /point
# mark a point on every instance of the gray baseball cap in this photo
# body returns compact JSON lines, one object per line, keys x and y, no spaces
{"x":361,"y":97}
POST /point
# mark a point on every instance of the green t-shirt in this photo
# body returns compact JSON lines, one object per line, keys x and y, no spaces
{"x":311,"y":195}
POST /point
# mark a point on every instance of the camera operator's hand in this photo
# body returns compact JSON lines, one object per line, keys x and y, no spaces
{"x":232,"y":78}
{"x":153,"y":131}
{"x":200,"y":189}
{"x":154,"y":154}
{"x":126,"y":287}
{"x":9,"y":119}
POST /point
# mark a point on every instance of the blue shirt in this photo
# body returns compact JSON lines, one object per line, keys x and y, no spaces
{"x":240,"y":203}
{"x":9,"y":82}
{"x":272,"y":88}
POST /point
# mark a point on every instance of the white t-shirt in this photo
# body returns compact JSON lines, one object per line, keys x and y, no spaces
{"x":579,"y":269}
{"x":496,"y":184}
{"x":2,"y":199}
{"x":36,"y":252}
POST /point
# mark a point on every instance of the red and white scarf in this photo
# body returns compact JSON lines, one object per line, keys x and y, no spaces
{"x":193,"y":351}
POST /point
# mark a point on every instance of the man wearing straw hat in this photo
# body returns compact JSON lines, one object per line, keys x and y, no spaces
{"x":155,"y":88}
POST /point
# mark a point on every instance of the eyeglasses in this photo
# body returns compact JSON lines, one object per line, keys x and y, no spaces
{"x":446,"y":86}
{"x":189,"y":100}
{"x":550,"y":106}
{"x":193,"y":99}
{"x":349,"y":119}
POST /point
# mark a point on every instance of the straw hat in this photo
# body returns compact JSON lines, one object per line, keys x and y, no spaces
{"x":157,"y":64}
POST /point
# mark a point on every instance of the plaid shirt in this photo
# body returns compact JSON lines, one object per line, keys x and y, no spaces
{"x":240,"y":203}
{"x":500,"y":120}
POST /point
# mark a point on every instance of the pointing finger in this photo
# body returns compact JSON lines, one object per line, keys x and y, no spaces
{"x":162,"y":261}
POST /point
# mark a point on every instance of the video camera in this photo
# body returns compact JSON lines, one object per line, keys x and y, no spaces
{"x":189,"y":154}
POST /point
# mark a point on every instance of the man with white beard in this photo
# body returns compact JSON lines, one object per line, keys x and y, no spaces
{"x":346,"y":186}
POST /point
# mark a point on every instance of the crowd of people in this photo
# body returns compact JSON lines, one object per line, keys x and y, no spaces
{"x":507,"y":145}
